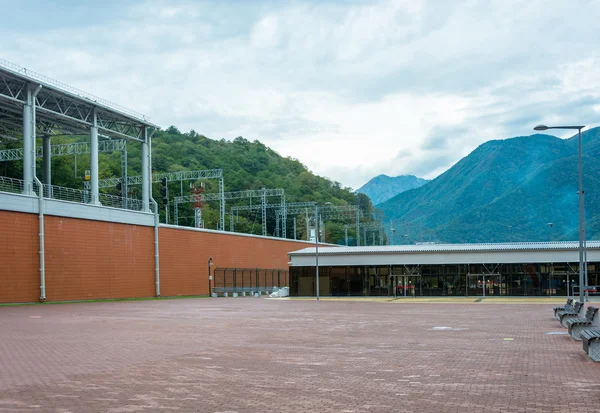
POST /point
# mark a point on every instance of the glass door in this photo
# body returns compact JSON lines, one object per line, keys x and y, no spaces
{"x":486,"y":285}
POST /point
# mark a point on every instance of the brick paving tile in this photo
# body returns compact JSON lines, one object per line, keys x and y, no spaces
{"x":266,"y":355}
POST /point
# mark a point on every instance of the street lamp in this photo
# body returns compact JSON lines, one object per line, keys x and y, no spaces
{"x":317,"y":248}
{"x":210,"y":263}
{"x":582,"y":253}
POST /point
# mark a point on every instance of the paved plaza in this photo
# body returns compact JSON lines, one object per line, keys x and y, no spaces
{"x":270,"y":355}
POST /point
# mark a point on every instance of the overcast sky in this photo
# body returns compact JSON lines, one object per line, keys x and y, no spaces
{"x":352,"y":89}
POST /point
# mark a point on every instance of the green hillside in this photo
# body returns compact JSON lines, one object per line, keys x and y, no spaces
{"x":245,"y":164}
{"x":505,"y":190}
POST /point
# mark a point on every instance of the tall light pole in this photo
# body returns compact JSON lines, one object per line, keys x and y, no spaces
{"x":317,"y":248}
{"x":582,"y":253}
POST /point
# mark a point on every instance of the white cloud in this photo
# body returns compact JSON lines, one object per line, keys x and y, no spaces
{"x":344,"y":87}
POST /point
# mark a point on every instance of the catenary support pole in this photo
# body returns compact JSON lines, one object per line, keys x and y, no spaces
{"x":295,"y":228}
{"x":307,"y":226}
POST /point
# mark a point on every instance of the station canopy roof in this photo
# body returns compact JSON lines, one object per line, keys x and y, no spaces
{"x":429,"y":253}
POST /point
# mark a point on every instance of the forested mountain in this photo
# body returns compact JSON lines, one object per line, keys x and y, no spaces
{"x":245,"y":164}
{"x":383,"y":187}
{"x":505,"y":190}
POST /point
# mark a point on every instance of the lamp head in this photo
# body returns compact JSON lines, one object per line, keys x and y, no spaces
{"x":541,"y":127}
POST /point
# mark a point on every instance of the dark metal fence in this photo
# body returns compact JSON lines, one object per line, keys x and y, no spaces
{"x":250,"y":277}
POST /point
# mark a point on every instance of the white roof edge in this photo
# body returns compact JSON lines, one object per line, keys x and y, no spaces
{"x":447,"y":248}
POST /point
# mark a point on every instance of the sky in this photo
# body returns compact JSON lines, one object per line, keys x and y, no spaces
{"x":352,"y":89}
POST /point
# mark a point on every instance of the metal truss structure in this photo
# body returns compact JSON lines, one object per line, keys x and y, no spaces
{"x":326,"y":212}
{"x":346,"y":226}
{"x":175,"y":176}
{"x":341,"y":212}
{"x":258,"y":193}
{"x":262,"y":207}
{"x":33,"y":105}
{"x":293,"y":209}
{"x":62,"y":108}
{"x":76,"y":148}
{"x":375,"y":227}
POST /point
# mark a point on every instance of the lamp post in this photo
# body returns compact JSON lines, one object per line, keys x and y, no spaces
{"x":317,"y":248}
{"x":582,"y":254}
{"x":210,"y":263}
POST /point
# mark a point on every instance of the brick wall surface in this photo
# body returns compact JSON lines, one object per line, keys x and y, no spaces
{"x":184,"y":257}
{"x":93,"y":259}
{"x":19,"y":257}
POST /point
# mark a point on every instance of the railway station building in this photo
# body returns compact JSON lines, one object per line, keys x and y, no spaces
{"x":506,"y":269}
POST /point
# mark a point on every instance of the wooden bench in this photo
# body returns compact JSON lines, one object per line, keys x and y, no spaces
{"x":591,"y":343}
{"x":564,"y":315}
{"x":568,"y":306}
{"x":579,"y":324}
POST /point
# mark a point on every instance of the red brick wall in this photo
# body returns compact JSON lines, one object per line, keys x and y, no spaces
{"x":93,"y":259}
{"x":19,"y":257}
{"x":184,"y":257}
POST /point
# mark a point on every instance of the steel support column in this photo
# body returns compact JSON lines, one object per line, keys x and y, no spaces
{"x":124,"y":188}
{"x":95,"y":196}
{"x":284,"y":218}
{"x":28,"y":154}
{"x":357,"y":226}
{"x":47,"y":160}
{"x":307,"y":227}
{"x":295,"y":228}
{"x":146,"y":186}
{"x":222,"y":206}
{"x":264,"y":212}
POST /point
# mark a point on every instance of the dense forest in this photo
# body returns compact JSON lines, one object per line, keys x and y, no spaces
{"x":245,"y":165}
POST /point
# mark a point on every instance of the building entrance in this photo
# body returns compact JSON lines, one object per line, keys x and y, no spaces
{"x":486,"y":285}
{"x":408,"y":285}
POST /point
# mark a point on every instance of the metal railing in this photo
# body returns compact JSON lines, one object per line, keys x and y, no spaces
{"x":16,"y":186}
{"x":250,"y":278}
{"x":11,"y":185}
{"x":65,"y":194}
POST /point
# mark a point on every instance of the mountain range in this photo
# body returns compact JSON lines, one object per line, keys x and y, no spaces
{"x":519,"y":189}
{"x":383,"y":187}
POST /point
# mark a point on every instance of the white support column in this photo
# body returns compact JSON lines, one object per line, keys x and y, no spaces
{"x":95,"y":194}
{"x":28,"y":155}
{"x":146,"y":187}
{"x":47,"y":161}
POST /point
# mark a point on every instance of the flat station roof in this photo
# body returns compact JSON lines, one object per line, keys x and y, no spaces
{"x":512,"y":252}
{"x":61,"y":108}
